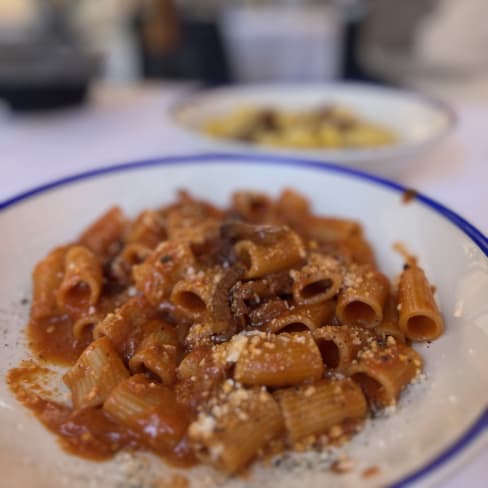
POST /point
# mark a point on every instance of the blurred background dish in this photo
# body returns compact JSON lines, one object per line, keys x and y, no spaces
{"x":392,"y":126}
{"x":331,"y":125}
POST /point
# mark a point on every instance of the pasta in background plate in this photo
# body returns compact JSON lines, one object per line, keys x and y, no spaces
{"x":222,"y":336}
{"x":329,"y":126}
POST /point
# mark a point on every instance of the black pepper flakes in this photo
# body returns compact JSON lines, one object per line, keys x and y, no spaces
{"x":277,"y":462}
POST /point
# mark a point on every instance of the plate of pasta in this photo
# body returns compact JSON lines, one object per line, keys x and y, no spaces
{"x":371,"y":127}
{"x":238,"y":320}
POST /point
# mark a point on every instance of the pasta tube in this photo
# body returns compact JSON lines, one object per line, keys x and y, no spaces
{"x":363,"y":297}
{"x":329,"y":229}
{"x":156,"y":276}
{"x":47,"y":277}
{"x":158,"y":353}
{"x":262,"y":258}
{"x":293,"y":206}
{"x":238,"y":425}
{"x":279,"y":360}
{"x":314,"y":409}
{"x":252,"y":206}
{"x":389,"y":325}
{"x":98,"y":370}
{"x":83,"y":279}
{"x":306,"y":317}
{"x":103,"y":237}
{"x":83,"y":324}
{"x":420,"y":319}
{"x":340,"y":344}
{"x":131,"y":255}
{"x":383,"y":371}
{"x":318,"y":281}
{"x":148,"y":230}
{"x":149,"y":409}
{"x":194,"y":294}
{"x":126,"y":325}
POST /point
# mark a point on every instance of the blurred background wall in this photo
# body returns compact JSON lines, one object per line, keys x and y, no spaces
{"x":54,"y":46}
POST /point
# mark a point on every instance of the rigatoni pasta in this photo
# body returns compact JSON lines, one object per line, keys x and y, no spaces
{"x":340,"y":345}
{"x":318,"y":281}
{"x":279,"y":360}
{"x":148,"y":229}
{"x":313,"y":409}
{"x":195,"y":293}
{"x":82,"y":281}
{"x":104,"y":236}
{"x":420,"y":319}
{"x":301,"y":317}
{"x":384,"y":369}
{"x":389,"y":326}
{"x":138,"y":400}
{"x":273,"y":250}
{"x":126,"y":325}
{"x":98,"y":370}
{"x":238,"y":423}
{"x":84,"y":324}
{"x":252,"y":206}
{"x":131,"y":255}
{"x":47,"y":277}
{"x":162,"y":269}
{"x":363,"y":297}
{"x":157,"y":353}
{"x":222,"y":335}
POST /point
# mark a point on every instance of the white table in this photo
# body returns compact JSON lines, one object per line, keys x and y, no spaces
{"x":126,"y":123}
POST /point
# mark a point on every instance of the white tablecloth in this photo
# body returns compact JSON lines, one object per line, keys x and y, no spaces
{"x":126,"y":123}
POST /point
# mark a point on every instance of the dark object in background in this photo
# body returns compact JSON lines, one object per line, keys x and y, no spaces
{"x":44,"y":76}
{"x":46,"y":68}
{"x":351,"y":66}
{"x":199,"y":54}
{"x":49,"y":97}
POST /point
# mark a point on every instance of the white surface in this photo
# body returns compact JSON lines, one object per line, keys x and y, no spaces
{"x":418,"y":122}
{"x":430,"y":416}
{"x":124,"y":123}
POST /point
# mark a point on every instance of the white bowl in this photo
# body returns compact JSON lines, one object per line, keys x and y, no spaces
{"x":439,"y":423}
{"x":419,"y":121}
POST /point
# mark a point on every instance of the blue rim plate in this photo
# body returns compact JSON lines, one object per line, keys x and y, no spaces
{"x":479,"y":425}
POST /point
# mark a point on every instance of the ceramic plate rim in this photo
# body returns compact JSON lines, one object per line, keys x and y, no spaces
{"x":474,"y":431}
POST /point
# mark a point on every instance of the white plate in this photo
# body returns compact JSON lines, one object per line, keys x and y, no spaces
{"x":439,"y":423}
{"x":419,"y":121}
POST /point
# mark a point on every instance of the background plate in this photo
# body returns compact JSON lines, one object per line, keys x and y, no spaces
{"x":419,"y":121}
